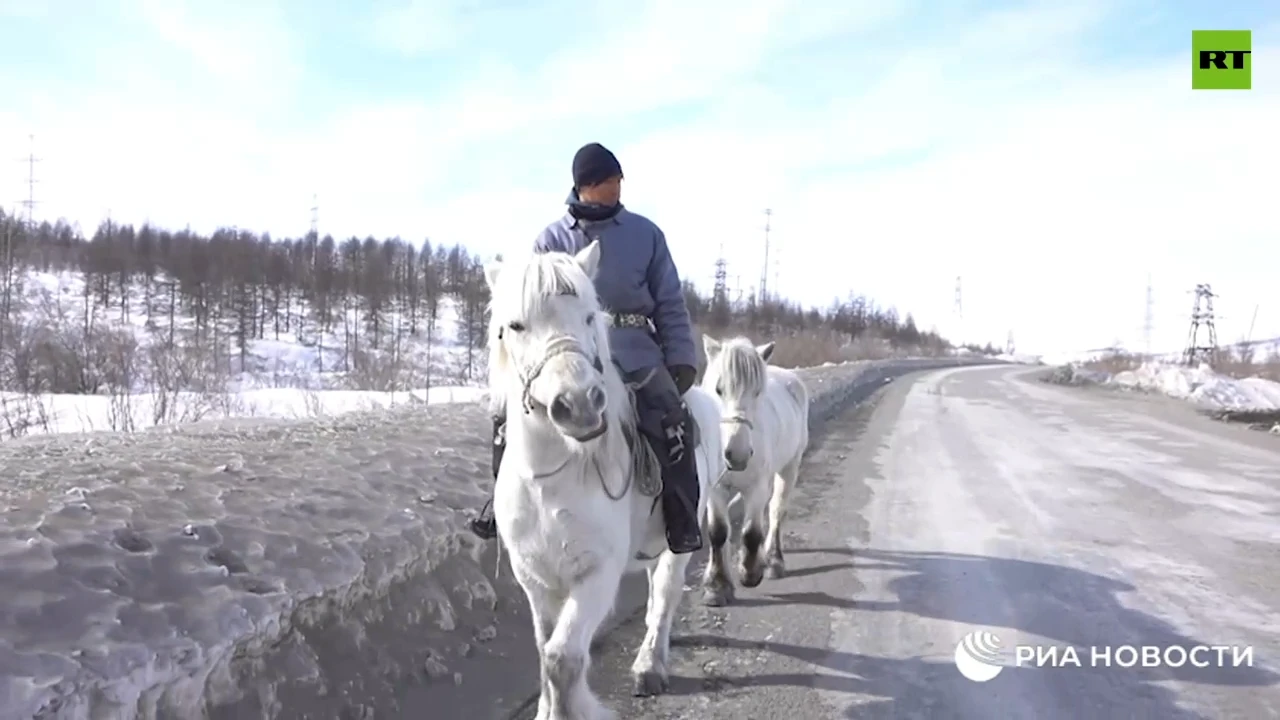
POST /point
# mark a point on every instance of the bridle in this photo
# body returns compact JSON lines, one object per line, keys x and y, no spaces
{"x":563,"y":345}
{"x":558,"y":345}
{"x":738,"y":419}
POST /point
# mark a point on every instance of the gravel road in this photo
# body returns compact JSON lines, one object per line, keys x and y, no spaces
{"x":981,"y":499}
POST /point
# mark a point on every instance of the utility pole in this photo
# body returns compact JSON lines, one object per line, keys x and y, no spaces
{"x":958,"y":309}
{"x":1201,"y":317}
{"x":764,"y":270}
{"x":30,"y":202}
{"x":720,"y":291}
{"x":315,"y":218}
{"x":1148,"y":320}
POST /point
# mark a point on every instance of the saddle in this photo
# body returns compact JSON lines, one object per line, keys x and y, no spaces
{"x":646,"y":465}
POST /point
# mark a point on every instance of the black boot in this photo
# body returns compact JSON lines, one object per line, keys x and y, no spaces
{"x":483,"y":524}
{"x":680,"y":487}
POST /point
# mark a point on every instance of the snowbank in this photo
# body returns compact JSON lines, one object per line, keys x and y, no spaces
{"x":1202,"y":386}
{"x":259,"y":568}
{"x":1018,"y":358}
{"x":53,"y":414}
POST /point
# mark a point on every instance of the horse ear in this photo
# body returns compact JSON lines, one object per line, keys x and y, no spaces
{"x":766,"y":350}
{"x":491,"y":273}
{"x":711,"y":345}
{"x":588,"y":258}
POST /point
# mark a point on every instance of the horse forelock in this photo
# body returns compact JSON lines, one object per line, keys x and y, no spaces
{"x":545,"y":277}
{"x":524,"y":292}
{"x":740,"y":369}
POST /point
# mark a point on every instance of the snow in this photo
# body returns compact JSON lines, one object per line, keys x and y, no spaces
{"x":66,"y":413}
{"x":291,"y":357}
{"x":1019,"y":358}
{"x":291,"y":373}
{"x":1202,"y":386}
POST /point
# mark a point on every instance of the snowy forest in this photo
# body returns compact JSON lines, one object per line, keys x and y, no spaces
{"x":146,"y":309}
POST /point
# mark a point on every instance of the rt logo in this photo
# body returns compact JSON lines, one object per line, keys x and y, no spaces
{"x":1221,"y":60}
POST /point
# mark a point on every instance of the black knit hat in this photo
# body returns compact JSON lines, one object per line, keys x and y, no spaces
{"x":593,"y":164}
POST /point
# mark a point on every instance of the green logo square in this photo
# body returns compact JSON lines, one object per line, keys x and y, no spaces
{"x":1221,"y":60}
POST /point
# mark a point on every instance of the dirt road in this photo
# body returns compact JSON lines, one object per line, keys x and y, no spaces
{"x":981,"y":499}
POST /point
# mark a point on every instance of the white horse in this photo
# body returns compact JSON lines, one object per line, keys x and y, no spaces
{"x":575,"y":495}
{"x":765,"y":428}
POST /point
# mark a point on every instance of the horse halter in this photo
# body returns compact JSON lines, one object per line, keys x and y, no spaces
{"x":556,"y":346}
{"x":738,"y":419}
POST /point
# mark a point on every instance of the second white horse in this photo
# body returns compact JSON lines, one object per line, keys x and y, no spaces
{"x":765,"y":429}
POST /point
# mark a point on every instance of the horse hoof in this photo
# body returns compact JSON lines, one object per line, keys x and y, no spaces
{"x":752,"y":579}
{"x":651,"y":682}
{"x":718,"y":596}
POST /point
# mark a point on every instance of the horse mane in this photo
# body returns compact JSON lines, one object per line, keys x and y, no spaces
{"x":523,"y":290}
{"x":741,"y":370}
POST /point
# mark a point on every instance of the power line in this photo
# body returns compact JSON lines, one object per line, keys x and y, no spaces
{"x":720,"y":288}
{"x":30,"y":203}
{"x":315,"y":216}
{"x":1201,"y":318}
{"x":764,"y":270}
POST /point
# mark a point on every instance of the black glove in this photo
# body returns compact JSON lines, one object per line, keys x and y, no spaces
{"x":684,"y":376}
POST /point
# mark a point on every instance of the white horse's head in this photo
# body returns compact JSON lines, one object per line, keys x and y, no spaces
{"x":736,"y":373}
{"x":549,"y":341}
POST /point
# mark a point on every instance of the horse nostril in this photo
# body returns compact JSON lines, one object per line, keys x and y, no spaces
{"x":560,"y":409}
{"x":596,"y":396}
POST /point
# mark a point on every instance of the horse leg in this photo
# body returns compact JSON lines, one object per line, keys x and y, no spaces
{"x":775,"y":564}
{"x":666,"y":586}
{"x":754,"y":501}
{"x":543,"y":610}
{"x":567,"y":653}
{"x":717,"y":586}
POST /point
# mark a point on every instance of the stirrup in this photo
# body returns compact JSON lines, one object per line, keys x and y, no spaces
{"x":484,"y":525}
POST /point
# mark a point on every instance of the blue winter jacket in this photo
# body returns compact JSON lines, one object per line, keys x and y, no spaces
{"x":635,"y":275}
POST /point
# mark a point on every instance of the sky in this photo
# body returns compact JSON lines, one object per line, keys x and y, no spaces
{"x":1051,"y":155}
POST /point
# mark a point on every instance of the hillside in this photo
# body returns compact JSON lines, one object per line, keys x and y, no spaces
{"x":136,"y":327}
{"x":77,"y":364}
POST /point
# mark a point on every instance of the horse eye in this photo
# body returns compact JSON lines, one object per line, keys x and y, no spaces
{"x":516,"y":326}
{"x":720,"y":390}
{"x":591,"y":319}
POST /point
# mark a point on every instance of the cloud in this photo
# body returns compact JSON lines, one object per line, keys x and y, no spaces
{"x":900,"y":144}
{"x":246,"y":43}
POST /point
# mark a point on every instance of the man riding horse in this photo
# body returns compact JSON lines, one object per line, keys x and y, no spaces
{"x":651,"y":336}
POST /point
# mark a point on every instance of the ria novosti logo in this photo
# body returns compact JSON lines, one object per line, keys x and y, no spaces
{"x":980,"y":656}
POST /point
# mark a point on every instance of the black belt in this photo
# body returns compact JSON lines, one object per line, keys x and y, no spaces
{"x":634,"y":320}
